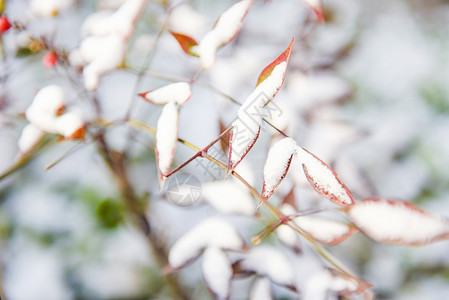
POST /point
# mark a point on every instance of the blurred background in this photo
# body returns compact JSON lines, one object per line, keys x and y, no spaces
{"x":366,"y":92}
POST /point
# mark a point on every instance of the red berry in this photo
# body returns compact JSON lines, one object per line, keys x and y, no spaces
{"x":4,"y":24}
{"x":50,"y":59}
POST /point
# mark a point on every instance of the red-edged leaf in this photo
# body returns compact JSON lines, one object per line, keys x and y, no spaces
{"x":348,"y":285}
{"x":166,"y":140}
{"x":229,"y":23}
{"x":284,"y":57}
{"x":323,"y":179}
{"x":178,"y":93}
{"x":277,"y":165}
{"x":242,"y":139}
{"x":186,"y":42}
{"x":397,"y":222}
{"x":317,"y":7}
{"x":326,"y":231}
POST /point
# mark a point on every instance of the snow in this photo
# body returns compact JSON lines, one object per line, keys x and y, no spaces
{"x":275,"y":264}
{"x":49,"y":99}
{"x":46,"y":104}
{"x":105,"y":44}
{"x":244,"y":135}
{"x":102,"y":54}
{"x":397,"y":222}
{"x":324,"y":230}
{"x":212,"y":232}
{"x":29,"y":138}
{"x":217,"y":271}
{"x":247,"y":125}
{"x":229,"y":197}
{"x":178,"y":93}
{"x":121,"y":22}
{"x":167,"y":137}
{"x":69,"y":123}
{"x":320,"y":283}
{"x":261,"y":289}
{"x":277,"y":164}
{"x":265,"y":91}
{"x":227,"y":26}
{"x":323,"y":179}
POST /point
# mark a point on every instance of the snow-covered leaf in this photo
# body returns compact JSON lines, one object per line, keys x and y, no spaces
{"x":213,"y":232}
{"x":178,"y":93}
{"x":229,"y":197}
{"x":46,"y":105}
{"x":29,"y":138}
{"x":277,"y":165}
{"x":397,"y":222}
{"x":242,"y":139}
{"x":284,"y":57}
{"x":261,"y":289}
{"x":247,"y":126}
{"x":323,"y":179}
{"x":71,"y":125}
{"x":225,"y":29}
{"x":186,"y":42}
{"x":329,"y":280}
{"x":271,"y":262}
{"x":327,"y":231}
{"x":217,"y":272}
{"x":166,"y":139}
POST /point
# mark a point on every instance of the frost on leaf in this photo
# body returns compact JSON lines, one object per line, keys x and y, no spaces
{"x":277,"y":165}
{"x":327,"y":231}
{"x":225,"y":29}
{"x":323,"y":179}
{"x":284,"y":57}
{"x":247,"y":126}
{"x":178,"y":93}
{"x":229,"y":197}
{"x":217,"y":272}
{"x":166,"y":139}
{"x":213,"y":232}
{"x":269,"y":261}
{"x":397,"y":222}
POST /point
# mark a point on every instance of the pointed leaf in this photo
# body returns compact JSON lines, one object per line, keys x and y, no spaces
{"x":347,"y":285}
{"x":277,"y":165}
{"x":166,"y":139}
{"x":178,"y":93}
{"x":225,"y":29}
{"x":326,"y":231}
{"x":323,"y":179}
{"x":284,"y":57}
{"x":397,"y":222}
{"x":186,"y":42}
{"x":243,"y":137}
{"x":217,"y":272}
